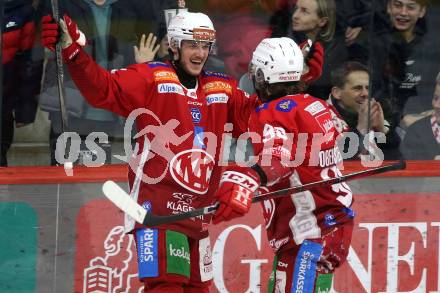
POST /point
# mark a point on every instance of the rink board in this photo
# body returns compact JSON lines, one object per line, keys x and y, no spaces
{"x":66,"y":237}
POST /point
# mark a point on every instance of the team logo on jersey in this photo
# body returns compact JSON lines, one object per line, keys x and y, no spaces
{"x":166,"y":88}
{"x":285,"y":105}
{"x":147,"y":205}
{"x":165,"y":76}
{"x":196,"y":115}
{"x":155,"y":64}
{"x":325,"y":122}
{"x":330,"y":220}
{"x":192,"y":170}
{"x":315,"y":108}
{"x":217,"y":86}
{"x":262,"y":107}
{"x":217,"y":99}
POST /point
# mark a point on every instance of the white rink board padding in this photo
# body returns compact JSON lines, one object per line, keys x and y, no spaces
{"x":67,"y":233}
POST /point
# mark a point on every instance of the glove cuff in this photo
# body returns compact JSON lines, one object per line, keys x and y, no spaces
{"x":71,"y":52}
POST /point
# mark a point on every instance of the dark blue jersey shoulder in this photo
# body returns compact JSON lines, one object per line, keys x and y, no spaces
{"x":215,"y":74}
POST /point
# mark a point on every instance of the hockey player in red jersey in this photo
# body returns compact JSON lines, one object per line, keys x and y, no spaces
{"x":310,"y":232}
{"x":182,"y":113}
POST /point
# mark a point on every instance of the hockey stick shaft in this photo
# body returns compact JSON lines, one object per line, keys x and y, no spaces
{"x":352,"y":176}
{"x":60,"y":71}
{"x":121,"y":199}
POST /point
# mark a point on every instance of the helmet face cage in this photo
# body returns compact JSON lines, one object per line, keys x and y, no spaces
{"x":190,"y":26}
{"x":278,"y":60}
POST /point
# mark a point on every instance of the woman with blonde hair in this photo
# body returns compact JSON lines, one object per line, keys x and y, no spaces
{"x":313,"y":22}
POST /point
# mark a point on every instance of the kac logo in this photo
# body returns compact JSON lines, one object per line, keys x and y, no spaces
{"x":192,"y":170}
{"x":196,"y":115}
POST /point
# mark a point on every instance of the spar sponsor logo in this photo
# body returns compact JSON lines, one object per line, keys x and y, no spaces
{"x":217,"y":99}
{"x":179,"y":252}
{"x":147,"y":247}
{"x":192,"y":170}
{"x":166,"y":88}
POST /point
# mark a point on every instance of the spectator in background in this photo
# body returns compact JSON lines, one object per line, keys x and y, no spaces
{"x":349,"y":101}
{"x":113,"y":28}
{"x":422,"y":139}
{"x":315,"y":20}
{"x":21,"y":74}
{"x":401,"y":57}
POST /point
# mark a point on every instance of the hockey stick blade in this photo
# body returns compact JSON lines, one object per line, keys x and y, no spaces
{"x":129,"y":206}
{"x":124,"y":201}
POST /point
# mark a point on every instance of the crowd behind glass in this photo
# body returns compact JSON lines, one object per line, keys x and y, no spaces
{"x":383,"y":50}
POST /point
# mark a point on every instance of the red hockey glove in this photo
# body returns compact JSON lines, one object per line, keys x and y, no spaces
{"x":50,"y":33}
{"x":314,"y":61}
{"x":237,"y":186}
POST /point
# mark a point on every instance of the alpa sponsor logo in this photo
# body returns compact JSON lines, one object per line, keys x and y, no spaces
{"x":163,"y":88}
{"x":217,"y":99}
{"x":179,"y":252}
{"x":304,"y":265}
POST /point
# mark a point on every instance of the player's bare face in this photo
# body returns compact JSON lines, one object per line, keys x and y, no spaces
{"x":305,"y":17}
{"x":404,"y":14}
{"x":436,"y":103}
{"x":355,"y":91}
{"x":193,"y":56}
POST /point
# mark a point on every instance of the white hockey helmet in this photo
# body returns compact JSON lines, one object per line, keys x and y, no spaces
{"x":190,"y":26}
{"x":278,"y":59}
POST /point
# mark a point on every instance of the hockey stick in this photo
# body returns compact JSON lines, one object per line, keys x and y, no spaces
{"x":60,"y":72}
{"x":124,"y":202}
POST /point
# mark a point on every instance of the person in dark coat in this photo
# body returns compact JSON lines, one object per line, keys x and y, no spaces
{"x":21,"y":72}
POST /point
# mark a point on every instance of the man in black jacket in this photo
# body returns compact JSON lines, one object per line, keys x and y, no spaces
{"x":422,"y":139}
{"x":349,"y":101}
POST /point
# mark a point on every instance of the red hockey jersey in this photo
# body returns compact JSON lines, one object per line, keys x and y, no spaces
{"x":180,"y":131}
{"x":298,"y":130}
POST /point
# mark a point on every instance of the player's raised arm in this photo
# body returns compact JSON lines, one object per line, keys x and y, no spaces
{"x":102,"y":89}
